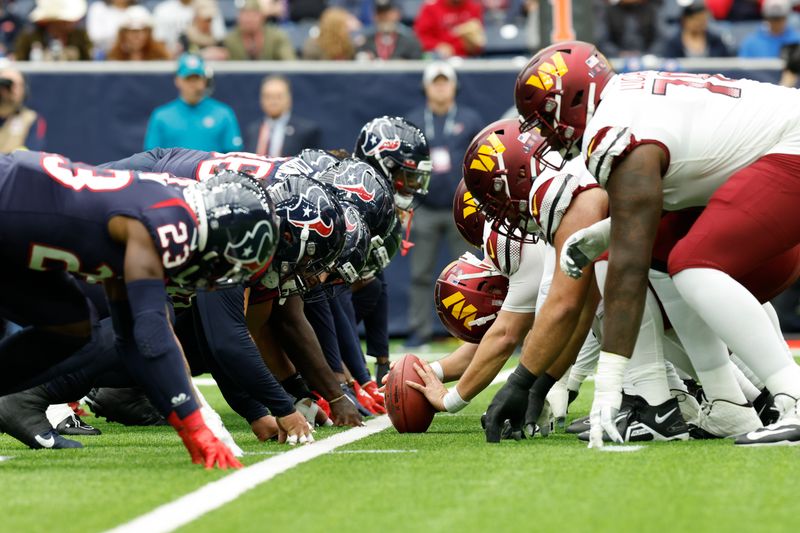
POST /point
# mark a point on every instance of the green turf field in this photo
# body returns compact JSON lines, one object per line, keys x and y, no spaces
{"x":445,"y":480}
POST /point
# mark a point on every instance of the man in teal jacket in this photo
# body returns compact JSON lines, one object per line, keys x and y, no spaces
{"x":193,"y":120}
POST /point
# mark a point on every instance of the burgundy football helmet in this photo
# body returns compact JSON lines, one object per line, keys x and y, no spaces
{"x":468,"y":296}
{"x":498,"y":172}
{"x":468,"y":217}
{"x":557,"y":92}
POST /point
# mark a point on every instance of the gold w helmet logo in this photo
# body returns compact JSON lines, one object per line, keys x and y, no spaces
{"x":543,"y":79}
{"x":467,"y":313}
{"x":486,"y":152}
{"x":470,"y":205}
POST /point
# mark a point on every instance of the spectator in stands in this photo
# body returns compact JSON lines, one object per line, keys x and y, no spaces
{"x":10,"y":26}
{"x":334,"y":41}
{"x":254,"y":38}
{"x":55,"y":35}
{"x":306,"y":9}
{"x":194,"y":119}
{"x":360,"y":9}
{"x":735,"y":10}
{"x":280,"y":132}
{"x":389,"y":39}
{"x":199,"y":36}
{"x":102,"y":23}
{"x":791,"y":68}
{"x":694,"y":39}
{"x":172,"y":17}
{"x":451,"y":27}
{"x":135,"y":38}
{"x":628,"y":27}
{"x":449,"y":128}
{"x":20,"y":127}
{"x":768,"y":40}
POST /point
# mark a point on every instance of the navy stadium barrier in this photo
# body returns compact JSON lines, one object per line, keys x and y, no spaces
{"x":98,"y":112}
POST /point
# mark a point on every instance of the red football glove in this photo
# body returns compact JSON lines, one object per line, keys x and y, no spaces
{"x":366,"y":400}
{"x":371,"y":388}
{"x":324,"y":406}
{"x":203,"y":446}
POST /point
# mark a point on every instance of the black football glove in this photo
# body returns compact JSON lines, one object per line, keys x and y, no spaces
{"x":509,"y":404}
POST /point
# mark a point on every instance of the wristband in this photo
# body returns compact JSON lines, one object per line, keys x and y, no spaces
{"x":610,"y":373}
{"x":453,"y":402}
{"x":336,"y":399}
{"x":436,"y":366}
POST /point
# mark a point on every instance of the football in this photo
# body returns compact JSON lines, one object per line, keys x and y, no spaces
{"x":409,"y":410}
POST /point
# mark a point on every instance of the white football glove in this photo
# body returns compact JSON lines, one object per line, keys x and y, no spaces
{"x":584,"y":246}
{"x":607,"y":399}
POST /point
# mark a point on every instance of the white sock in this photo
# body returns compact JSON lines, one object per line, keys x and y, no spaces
{"x":585,"y":364}
{"x":773,"y":317}
{"x":752,"y":378}
{"x":56,"y":413}
{"x":650,"y":382}
{"x":737,"y":317}
{"x":785,"y":381}
{"x":676,"y":356}
{"x":720,"y":384}
{"x":750,"y":391}
{"x":673,"y":379}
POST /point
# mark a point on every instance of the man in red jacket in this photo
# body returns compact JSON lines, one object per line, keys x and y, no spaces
{"x":451,"y":27}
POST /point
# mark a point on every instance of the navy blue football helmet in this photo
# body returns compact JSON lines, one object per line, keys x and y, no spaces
{"x":318,"y":160}
{"x":237,"y":232}
{"x":311,"y":234}
{"x":399,"y":151}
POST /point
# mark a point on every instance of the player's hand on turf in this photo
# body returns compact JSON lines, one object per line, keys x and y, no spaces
{"x":434,"y":390}
{"x":510,"y":404}
{"x":583,"y":247}
{"x":294,"y":429}
{"x":603,"y":418}
{"x":202,"y":442}
{"x":345,"y":413}
{"x":265,"y":428}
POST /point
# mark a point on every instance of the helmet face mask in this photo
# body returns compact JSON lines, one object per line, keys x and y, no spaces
{"x":399,"y":151}
{"x":558,"y":91}
{"x":468,"y":296}
{"x":498,"y":172}
{"x":311,"y":236}
{"x":237,"y":232}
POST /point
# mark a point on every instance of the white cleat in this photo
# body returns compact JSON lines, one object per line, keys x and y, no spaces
{"x":721,"y":419}
{"x":784,"y":432}
{"x":690,"y":408}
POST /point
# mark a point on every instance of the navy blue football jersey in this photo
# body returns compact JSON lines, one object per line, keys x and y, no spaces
{"x":54,"y":215}
{"x":201,"y":165}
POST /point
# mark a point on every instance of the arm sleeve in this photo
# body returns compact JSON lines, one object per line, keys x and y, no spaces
{"x":233,"y":349}
{"x":142,"y":162}
{"x":150,"y":350}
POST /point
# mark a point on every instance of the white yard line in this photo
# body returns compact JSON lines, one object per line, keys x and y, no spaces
{"x":214,"y":495}
{"x":192,"y":506}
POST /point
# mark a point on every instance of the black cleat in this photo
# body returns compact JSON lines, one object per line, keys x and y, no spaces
{"x":22,"y":416}
{"x":643,"y":422}
{"x":579,"y":425}
{"x":765,"y":408}
{"x":73,"y":425}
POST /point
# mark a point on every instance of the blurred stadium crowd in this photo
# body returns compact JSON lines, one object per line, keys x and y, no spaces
{"x":38,"y":30}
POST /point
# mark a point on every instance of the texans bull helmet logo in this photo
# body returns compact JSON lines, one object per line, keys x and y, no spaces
{"x":351,"y":180}
{"x":307,"y":212}
{"x":256,"y":248}
{"x":380,"y":137}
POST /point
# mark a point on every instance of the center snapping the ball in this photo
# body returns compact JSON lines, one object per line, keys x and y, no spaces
{"x":409,"y":410}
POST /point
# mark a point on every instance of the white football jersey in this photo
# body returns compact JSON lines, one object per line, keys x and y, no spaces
{"x":521,"y":262}
{"x":709,"y":125}
{"x":552,"y":192}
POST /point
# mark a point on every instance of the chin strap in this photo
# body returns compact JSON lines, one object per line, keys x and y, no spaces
{"x":406,"y":244}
